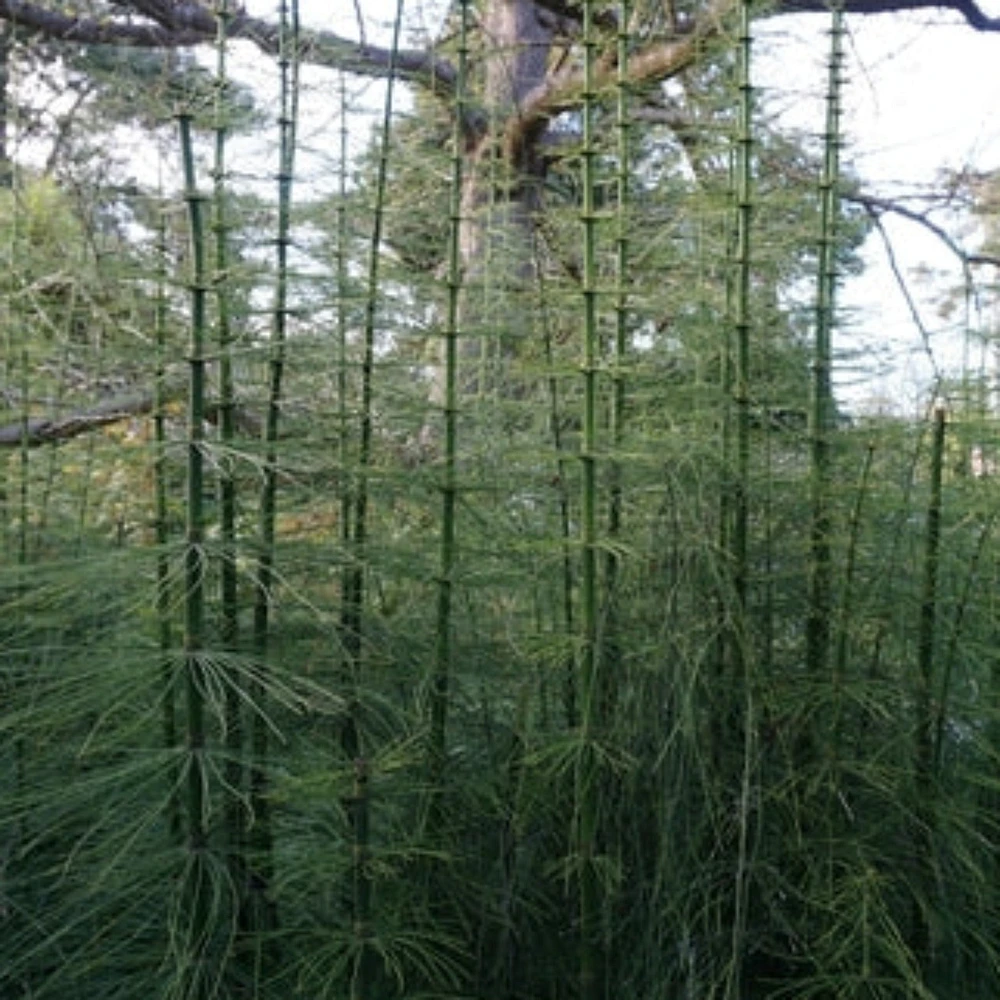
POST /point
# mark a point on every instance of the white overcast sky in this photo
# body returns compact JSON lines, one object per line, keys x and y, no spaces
{"x":923,"y":97}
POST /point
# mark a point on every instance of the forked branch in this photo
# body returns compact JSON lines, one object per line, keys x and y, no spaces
{"x":173,"y":24}
{"x":166,"y":24}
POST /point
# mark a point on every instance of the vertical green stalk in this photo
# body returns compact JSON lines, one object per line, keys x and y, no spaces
{"x":767,"y":611}
{"x":24,"y":469}
{"x":262,"y":914}
{"x":738,"y":653}
{"x":354,"y":577}
{"x":449,"y":486}
{"x":563,"y":613}
{"x":727,"y":382}
{"x":353,"y":598}
{"x":565,"y":526}
{"x":162,"y":530}
{"x":357,"y":804}
{"x":821,"y":423}
{"x":944,"y":695}
{"x":25,"y":450}
{"x":741,"y":387}
{"x":847,"y":600}
{"x":619,"y":349}
{"x":821,"y":416}
{"x":228,"y":627}
{"x":195,"y":889}
{"x":928,"y":602}
{"x":892,"y":560}
{"x":611,"y":680}
{"x":343,"y":254}
{"x":590,"y":660}
{"x":925,"y":805}
{"x":726,"y":640}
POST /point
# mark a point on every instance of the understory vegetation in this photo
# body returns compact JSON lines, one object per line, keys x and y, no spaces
{"x":455,"y":576}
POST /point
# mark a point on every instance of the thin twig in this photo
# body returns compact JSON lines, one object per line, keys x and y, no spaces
{"x":905,"y":290}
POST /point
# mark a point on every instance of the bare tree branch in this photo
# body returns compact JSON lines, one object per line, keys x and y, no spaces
{"x":968,"y":9}
{"x":48,"y":430}
{"x":983,"y":258}
{"x":180,"y":25}
{"x":31,"y":18}
{"x":45,"y":430}
{"x":904,"y":288}
{"x":173,"y":24}
{"x":973,"y":14}
{"x":877,"y":206}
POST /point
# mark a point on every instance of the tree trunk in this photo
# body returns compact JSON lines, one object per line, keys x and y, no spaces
{"x":501,"y":192}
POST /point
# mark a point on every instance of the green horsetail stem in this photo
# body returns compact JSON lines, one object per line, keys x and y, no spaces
{"x":353,"y":598}
{"x":449,"y":486}
{"x":357,"y":804}
{"x":355,"y":570}
{"x":850,"y":565}
{"x":819,"y":607}
{"x":161,"y":529}
{"x":623,"y":129}
{"x":569,"y":699}
{"x":586,"y":778}
{"x":342,"y":258}
{"x":196,"y":889}
{"x":611,"y":641}
{"x":23,"y":518}
{"x":742,"y":322}
{"x":821,"y":415}
{"x":894,"y":560}
{"x":948,"y":661}
{"x":739,"y":655}
{"x":24,"y":464}
{"x":229,"y":608}
{"x":725,"y":640}
{"x":926,"y":720}
{"x":927,"y":627}
{"x":262,"y":911}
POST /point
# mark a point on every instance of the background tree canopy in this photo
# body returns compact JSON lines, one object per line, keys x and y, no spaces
{"x":456,"y":576}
